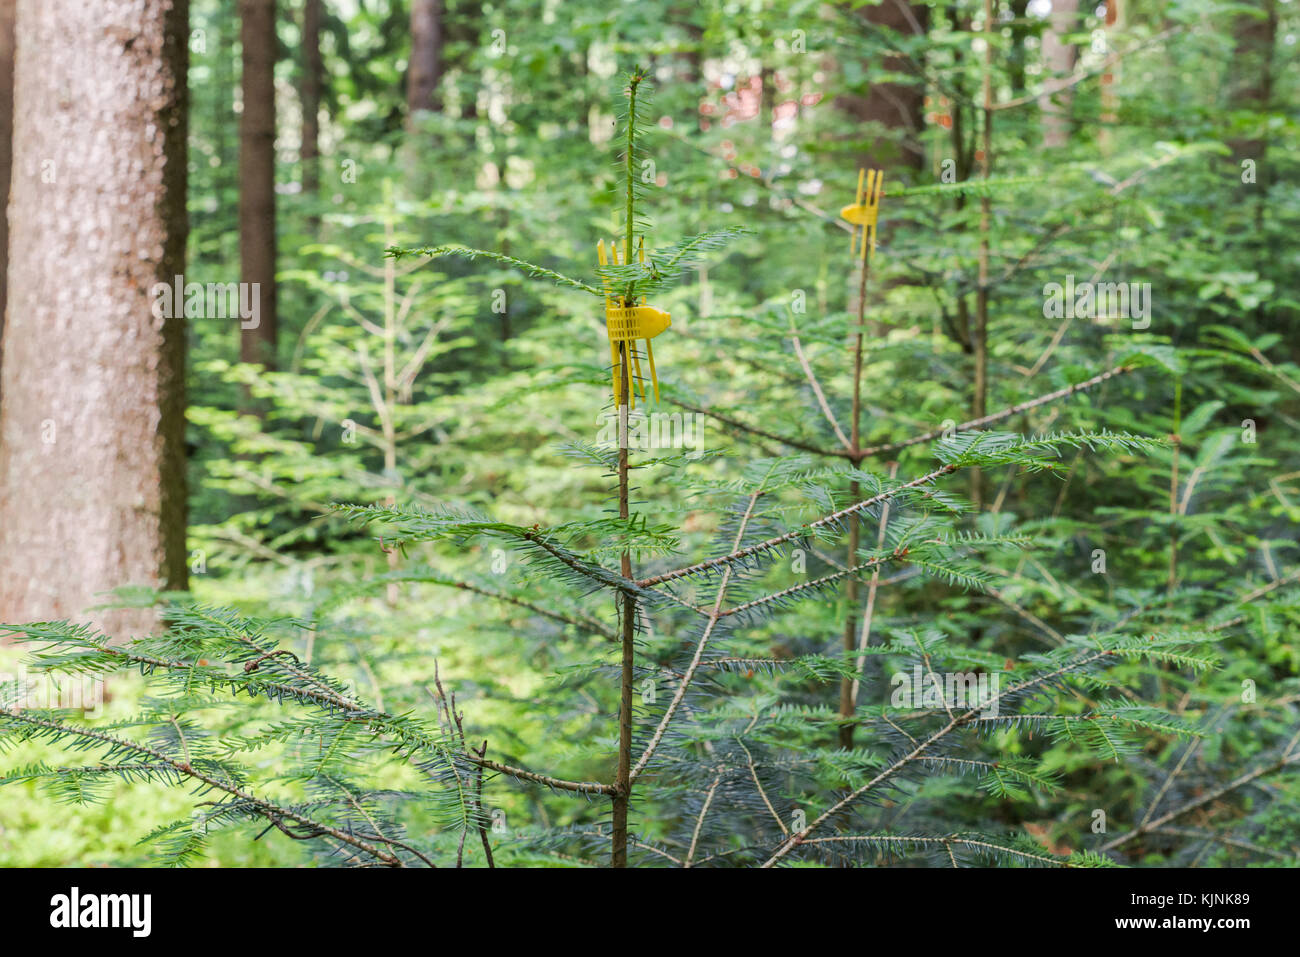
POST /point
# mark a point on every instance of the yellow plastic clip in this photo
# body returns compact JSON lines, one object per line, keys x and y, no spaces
{"x":864,"y":211}
{"x":629,"y":322}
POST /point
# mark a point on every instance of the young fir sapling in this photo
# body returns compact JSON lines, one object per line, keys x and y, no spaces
{"x":729,"y":773}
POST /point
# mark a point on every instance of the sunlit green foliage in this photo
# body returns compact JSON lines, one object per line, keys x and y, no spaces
{"x":1129,"y":575}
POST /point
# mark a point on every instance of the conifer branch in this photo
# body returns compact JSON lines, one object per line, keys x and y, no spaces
{"x":699,"y":823}
{"x":733,"y":423}
{"x":418,"y":576}
{"x":874,"y":450}
{"x":1290,"y":755}
{"x":694,"y":666}
{"x":958,"y":721}
{"x":821,"y":396}
{"x":274,"y":813}
{"x":803,"y":530}
{"x":1100,"y":70}
{"x":529,"y":269}
{"x":980,"y":423}
{"x":797,"y":590}
{"x":580,"y":787}
{"x":947,"y":842}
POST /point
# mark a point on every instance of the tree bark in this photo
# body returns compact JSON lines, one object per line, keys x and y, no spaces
{"x":425,"y":71}
{"x":7,"y":10}
{"x":257,"y":344}
{"x":1058,"y":62}
{"x":92,"y":469}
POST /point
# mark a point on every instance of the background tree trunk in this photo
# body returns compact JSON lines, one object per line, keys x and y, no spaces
{"x":897,"y":106}
{"x":1018,"y":55}
{"x":257,"y":175}
{"x":465,"y":31}
{"x":7,"y":9}
{"x":1251,"y":76}
{"x":1058,"y":63}
{"x":313,"y":75}
{"x":1250,"y":88}
{"x":425,"y":71}
{"x":92,"y":480}
{"x":1109,"y":93}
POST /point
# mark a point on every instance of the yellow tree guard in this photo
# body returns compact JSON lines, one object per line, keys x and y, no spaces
{"x":627,"y":322}
{"x":864,"y":211}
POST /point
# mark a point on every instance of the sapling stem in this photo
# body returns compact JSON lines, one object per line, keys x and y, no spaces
{"x":623,"y":783}
{"x":979,"y":406}
{"x":847,"y":684}
{"x":623,"y":775}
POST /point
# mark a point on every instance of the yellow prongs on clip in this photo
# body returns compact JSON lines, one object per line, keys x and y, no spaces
{"x":628,"y":323}
{"x":864,"y":211}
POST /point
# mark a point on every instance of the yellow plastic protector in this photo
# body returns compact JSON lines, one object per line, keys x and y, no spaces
{"x":628,"y":322}
{"x":864,"y":211}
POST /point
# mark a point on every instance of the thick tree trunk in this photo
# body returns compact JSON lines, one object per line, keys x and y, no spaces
{"x":7,"y":9}
{"x":92,"y":480}
{"x":313,"y":76}
{"x":691,"y":71}
{"x":1250,"y":87}
{"x":425,"y":71}
{"x":257,"y":177}
{"x":1109,"y":94}
{"x":1251,"y":77}
{"x":896,"y":106}
{"x":1058,"y":63}
{"x":1017,"y":54}
{"x":466,"y":32}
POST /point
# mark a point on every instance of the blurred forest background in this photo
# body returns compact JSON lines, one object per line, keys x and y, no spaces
{"x":155,"y":442}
